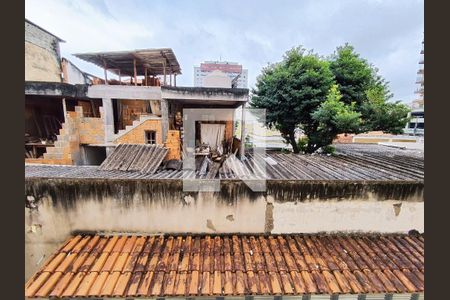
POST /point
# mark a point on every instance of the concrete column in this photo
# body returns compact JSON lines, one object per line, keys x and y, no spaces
{"x":109,"y":119}
{"x":165,"y":118}
{"x":242,"y":151}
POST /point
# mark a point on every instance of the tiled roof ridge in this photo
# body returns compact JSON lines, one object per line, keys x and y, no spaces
{"x":239,"y":234}
{"x":174,"y":266}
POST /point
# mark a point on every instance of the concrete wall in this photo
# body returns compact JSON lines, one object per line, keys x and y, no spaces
{"x":41,"y":64}
{"x":72,"y":74}
{"x":42,"y":57}
{"x":124,"y":92}
{"x":62,"y":206}
{"x":217,"y":79}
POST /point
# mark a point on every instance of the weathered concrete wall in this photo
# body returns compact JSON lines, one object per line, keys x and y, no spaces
{"x":72,"y":74}
{"x":42,"y":57}
{"x":41,"y":64}
{"x":125,"y":92}
{"x":61,"y":206}
{"x":366,"y":216}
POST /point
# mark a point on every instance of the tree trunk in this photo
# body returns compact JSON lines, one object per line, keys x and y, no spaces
{"x":293,"y":142}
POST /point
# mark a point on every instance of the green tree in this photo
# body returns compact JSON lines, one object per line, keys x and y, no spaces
{"x":359,"y":82}
{"x":290,"y":90}
{"x":325,"y":97}
{"x":355,"y":75}
{"x":334,"y":117}
{"x":379,"y":114}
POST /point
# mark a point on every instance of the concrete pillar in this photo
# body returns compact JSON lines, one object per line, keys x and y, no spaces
{"x":109,"y":119}
{"x":165,"y":118}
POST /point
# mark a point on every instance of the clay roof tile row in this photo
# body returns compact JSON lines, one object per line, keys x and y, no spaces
{"x":132,"y":266}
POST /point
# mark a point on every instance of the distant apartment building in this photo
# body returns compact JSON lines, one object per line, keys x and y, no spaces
{"x":234,"y":71}
{"x":416,"y":125}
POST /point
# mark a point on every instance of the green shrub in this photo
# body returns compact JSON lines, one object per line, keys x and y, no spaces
{"x":328,"y":149}
{"x":302,"y":144}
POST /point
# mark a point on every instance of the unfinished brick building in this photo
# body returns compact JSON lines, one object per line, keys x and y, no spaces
{"x":348,"y":226}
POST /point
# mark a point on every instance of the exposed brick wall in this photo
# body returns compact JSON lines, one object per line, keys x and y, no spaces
{"x":137,"y":134}
{"x":132,"y":110}
{"x":91,"y":130}
{"x":173,"y":143}
{"x":75,"y":131}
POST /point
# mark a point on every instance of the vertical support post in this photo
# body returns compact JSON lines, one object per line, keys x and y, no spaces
{"x":242,"y":150}
{"x":146,"y":83}
{"x":108,"y":119}
{"x":135,"y":72}
{"x":174,"y":79}
{"x":170,"y":79}
{"x":64,"y":109}
{"x":120,"y":78}
{"x":164,"y":66}
{"x":105,"y":67}
{"x":165,"y":118}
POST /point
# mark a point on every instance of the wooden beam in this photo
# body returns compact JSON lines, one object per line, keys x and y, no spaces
{"x":174,"y":79}
{"x":135,"y":72}
{"x":170,"y":79}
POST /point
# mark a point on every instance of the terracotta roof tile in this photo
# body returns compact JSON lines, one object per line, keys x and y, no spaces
{"x":168,"y":266}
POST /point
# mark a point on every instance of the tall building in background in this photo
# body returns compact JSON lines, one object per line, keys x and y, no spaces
{"x":232,"y":70}
{"x":416,"y":125}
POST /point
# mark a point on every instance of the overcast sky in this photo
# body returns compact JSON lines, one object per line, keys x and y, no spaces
{"x":253,"y":33}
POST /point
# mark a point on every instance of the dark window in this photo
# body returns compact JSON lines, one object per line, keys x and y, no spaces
{"x":418,"y":126}
{"x":150,"y":137}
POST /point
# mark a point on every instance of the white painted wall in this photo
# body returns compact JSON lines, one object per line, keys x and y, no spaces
{"x":350,"y":216}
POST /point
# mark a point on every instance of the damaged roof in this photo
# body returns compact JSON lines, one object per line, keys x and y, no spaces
{"x":142,"y":158}
{"x":231,"y":265}
{"x":347,"y":164}
{"x":152,"y":59}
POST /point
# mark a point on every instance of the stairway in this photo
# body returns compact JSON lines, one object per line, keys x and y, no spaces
{"x":65,"y":142}
{"x":135,"y":124}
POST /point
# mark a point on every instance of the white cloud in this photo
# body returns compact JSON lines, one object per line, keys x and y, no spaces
{"x":387,"y":33}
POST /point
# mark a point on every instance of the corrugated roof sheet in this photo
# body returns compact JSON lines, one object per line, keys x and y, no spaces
{"x":141,"y":158}
{"x":152,"y":59}
{"x":347,"y":164}
{"x":181,"y":266}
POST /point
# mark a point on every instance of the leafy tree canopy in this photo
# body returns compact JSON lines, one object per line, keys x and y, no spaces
{"x":325,"y":97}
